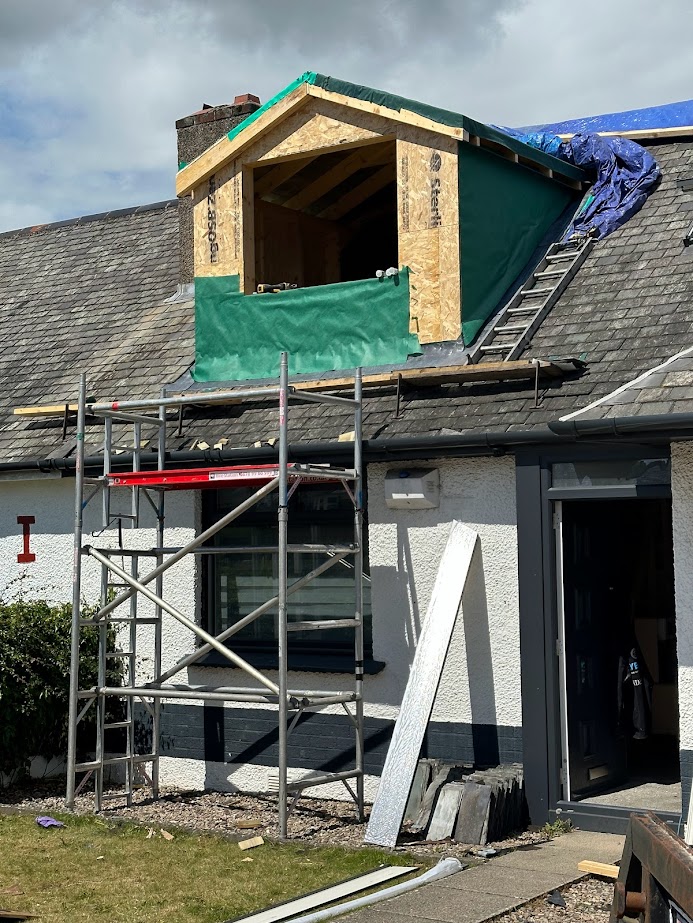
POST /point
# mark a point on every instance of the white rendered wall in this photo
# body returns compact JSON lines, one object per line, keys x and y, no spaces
{"x":481,"y":680}
{"x":51,"y":502}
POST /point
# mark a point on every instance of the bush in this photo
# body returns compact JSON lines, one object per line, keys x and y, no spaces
{"x":35,"y":681}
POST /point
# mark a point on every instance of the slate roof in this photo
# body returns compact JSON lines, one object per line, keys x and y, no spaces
{"x":668,"y":385}
{"x":92,"y":294}
{"x":88,"y":294}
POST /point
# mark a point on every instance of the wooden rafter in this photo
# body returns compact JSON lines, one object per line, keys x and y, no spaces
{"x":361,"y":157}
{"x":279,"y":174}
{"x":360,"y":193}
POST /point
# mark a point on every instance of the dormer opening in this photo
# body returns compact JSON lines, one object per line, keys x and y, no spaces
{"x":327,"y":218}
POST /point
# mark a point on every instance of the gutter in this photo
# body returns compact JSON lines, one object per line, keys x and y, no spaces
{"x":487,"y":443}
{"x":678,"y":425}
{"x":672,"y":424}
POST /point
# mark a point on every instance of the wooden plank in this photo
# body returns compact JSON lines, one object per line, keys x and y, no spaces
{"x":487,"y":371}
{"x":360,"y":158}
{"x":635,"y":134}
{"x":280,"y":174}
{"x":381,"y":178}
{"x":598,"y":868}
{"x":224,"y":150}
{"x":329,"y":895}
{"x":420,"y":692}
{"x":49,"y":410}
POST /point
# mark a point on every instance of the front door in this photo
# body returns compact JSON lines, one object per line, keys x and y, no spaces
{"x":617,"y":651}
{"x":593,"y":605}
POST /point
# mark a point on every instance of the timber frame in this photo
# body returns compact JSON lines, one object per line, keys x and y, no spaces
{"x":246,"y":167}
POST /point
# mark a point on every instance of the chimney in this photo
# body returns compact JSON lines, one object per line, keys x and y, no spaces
{"x":196,"y":133}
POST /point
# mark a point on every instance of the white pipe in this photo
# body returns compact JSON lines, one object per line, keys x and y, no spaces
{"x":444,"y":868}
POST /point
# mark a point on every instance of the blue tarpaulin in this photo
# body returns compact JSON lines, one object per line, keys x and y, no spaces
{"x":623,"y":175}
{"x":671,"y":115}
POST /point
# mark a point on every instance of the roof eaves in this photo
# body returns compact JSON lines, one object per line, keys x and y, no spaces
{"x":85,"y":219}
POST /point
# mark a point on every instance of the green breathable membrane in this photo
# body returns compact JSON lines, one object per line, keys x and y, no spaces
{"x":323,"y":328}
{"x":505,"y":212}
{"x":308,"y":77}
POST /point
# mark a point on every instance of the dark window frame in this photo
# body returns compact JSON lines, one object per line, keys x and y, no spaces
{"x":303,"y":653}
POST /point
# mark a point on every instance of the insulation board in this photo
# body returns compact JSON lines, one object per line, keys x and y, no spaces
{"x":419,"y":695}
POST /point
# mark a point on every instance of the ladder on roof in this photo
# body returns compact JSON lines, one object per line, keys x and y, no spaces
{"x":516,"y":324}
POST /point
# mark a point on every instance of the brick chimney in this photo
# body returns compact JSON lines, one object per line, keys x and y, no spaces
{"x":196,"y":133}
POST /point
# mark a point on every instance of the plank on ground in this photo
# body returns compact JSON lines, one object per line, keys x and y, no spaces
{"x":598,"y":868}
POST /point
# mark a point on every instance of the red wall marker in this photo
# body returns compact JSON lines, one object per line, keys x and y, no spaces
{"x":26,"y":522}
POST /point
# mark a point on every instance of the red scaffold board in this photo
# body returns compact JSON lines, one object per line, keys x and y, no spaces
{"x":182,"y":478}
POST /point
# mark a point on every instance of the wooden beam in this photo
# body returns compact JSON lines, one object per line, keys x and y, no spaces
{"x":642,"y":134}
{"x":280,"y":174}
{"x":361,"y":157}
{"x":430,"y":375}
{"x":204,"y":166}
{"x":598,"y":868}
{"x":363,"y":191}
{"x":49,"y":410}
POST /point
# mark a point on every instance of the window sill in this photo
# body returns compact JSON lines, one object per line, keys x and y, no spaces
{"x":299,"y":663}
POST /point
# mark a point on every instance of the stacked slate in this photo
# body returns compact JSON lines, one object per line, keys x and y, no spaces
{"x":474,"y":807}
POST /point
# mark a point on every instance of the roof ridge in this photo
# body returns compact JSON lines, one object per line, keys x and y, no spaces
{"x":84,"y":219}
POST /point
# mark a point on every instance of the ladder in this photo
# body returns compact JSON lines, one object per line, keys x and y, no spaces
{"x":516,"y":324}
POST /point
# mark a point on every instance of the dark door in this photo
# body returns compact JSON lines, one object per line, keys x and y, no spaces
{"x":595,"y":602}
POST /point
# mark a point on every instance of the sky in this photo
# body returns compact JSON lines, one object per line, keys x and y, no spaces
{"x":90,"y":89}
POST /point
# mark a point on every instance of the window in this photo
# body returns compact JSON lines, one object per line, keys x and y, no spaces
{"x":238,"y":583}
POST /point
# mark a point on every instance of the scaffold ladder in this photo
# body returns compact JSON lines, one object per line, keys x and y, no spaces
{"x":131,"y":583}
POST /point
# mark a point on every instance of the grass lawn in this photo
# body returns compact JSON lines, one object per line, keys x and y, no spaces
{"x":102,"y":872}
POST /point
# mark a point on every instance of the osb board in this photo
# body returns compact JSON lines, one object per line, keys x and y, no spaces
{"x":218,"y":223}
{"x":319,"y":126}
{"x":428,"y":231}
{"x":427,"y":206}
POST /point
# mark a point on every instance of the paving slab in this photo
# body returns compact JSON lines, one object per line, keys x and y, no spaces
{"x":500,"y":884}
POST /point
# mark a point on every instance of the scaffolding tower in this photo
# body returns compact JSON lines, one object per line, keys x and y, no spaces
{"x":121,"y":611}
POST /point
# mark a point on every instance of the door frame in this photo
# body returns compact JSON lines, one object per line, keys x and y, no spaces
{"x":539,"y":619}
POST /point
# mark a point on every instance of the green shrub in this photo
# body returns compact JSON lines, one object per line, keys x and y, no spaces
{"x":35,"y":681}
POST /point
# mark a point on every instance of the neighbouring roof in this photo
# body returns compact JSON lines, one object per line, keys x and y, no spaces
{"x":92,"y":295}
{"x":652,"y":118}
{"x":88,"y":294}
{"x":665,"y":389}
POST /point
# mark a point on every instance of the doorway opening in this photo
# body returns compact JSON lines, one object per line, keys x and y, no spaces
{"x":328,"y":218}
{"x":618,"y":653}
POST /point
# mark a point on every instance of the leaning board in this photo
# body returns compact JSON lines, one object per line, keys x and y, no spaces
{"x":417,"y":703}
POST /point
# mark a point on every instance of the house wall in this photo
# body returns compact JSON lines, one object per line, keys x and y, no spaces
{"x":682,"y":514}
{"x":477,"y":712}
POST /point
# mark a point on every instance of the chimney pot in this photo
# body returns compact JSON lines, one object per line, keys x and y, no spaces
{"x":246,"y":98}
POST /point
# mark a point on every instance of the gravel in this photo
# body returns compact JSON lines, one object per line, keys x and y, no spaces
{"x":587,"y":901}
{"x":316,"y":821}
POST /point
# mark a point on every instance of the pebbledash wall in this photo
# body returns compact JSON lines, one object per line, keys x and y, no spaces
{"x":682,"y":512}
{"x":477,"y":713}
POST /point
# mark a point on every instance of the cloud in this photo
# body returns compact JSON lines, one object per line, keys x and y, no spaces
{"x":89,"y":93}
